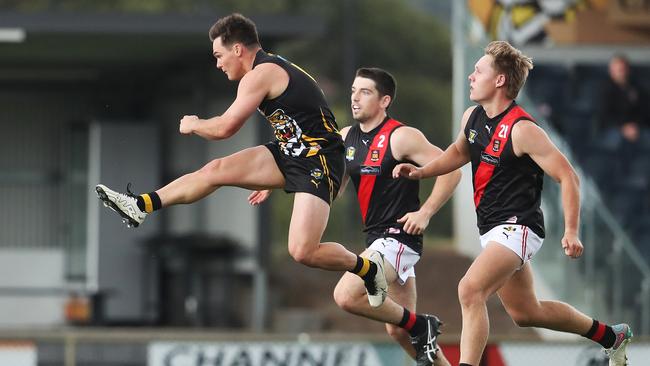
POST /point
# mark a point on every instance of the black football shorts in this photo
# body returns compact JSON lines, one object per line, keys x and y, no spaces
{"x":319,"y":175}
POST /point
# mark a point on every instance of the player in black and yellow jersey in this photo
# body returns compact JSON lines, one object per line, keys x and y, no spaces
{"x":306,"y":157}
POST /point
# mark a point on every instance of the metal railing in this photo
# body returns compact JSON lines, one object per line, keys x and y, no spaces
{"x":612,"y":280}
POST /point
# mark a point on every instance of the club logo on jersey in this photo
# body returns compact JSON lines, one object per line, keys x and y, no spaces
{"x":472,"y":136}
{"x":489,"y":159}
{"x":496,"y":145}
{"x":349,"y":153}
{"x":374,"y":155}
{"x":370,"y":170}
{"x":290,"y":137}
{"x":285,"y":127}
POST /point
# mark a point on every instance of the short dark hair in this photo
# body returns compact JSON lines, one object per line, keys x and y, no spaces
{"x":235,"y":28}
{"x":384,"y":81}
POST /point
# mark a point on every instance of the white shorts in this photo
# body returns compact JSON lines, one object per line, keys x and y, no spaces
{"x":518,"y":238}
{"x":400,"y":256}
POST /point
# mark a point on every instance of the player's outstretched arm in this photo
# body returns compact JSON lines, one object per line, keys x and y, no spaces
{"x":411,"y":144}
{"x":456,"y":155}
{"x":252,"y":90}
{"x":528,"y":138}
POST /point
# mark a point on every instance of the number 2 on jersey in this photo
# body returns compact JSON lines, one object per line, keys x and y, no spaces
{"x":380,"y":143}
{"x":503,"y":131}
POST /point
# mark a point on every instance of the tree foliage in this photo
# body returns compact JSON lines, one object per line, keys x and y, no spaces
{"x":384,"y":33}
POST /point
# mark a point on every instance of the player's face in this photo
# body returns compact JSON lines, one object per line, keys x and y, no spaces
{"x":228,"y":59}
{"x":366,"y":103}
{"x":483,"y":81}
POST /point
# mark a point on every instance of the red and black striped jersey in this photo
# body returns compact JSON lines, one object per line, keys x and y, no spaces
{"x":382,"y":199}
{"x":507,"y":188}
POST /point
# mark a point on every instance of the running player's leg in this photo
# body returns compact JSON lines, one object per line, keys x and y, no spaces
{"x":406,"y":296}
{"x":350,"y":295}
{"x":521,"y":303}
{"x":252,"y":168}
{"x":308,"y":221}
{"x":489,"y":271}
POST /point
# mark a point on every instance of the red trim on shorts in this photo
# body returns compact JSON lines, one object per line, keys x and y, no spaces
{"x":399,"y":258}
{"x":411,"y":322}
{"x":524,"y":242}
{"x":367,"y":182}
{"x":485,"y":171}
{"x":599,"y":333}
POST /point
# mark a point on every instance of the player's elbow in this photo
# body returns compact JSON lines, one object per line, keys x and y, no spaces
{"x":571,"y":177}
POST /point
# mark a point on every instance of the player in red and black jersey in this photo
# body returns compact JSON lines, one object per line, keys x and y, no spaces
{"x":510,"y":153}
{"x":391,"y":213}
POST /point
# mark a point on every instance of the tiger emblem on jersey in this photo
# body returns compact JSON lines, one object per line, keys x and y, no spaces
{"x":286,"y":128}
{"x":290,"y":136}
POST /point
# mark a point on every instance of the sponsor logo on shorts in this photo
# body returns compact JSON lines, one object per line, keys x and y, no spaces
{"x":508,"y":230}
{"x":512,"y":220}
{"x":316,"y":176}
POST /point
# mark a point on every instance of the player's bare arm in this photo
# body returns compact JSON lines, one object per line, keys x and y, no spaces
{"x":346,"y":177}
{"x":454,"y":157}
{"x":528,"y":138}
{"x":253,"y":88}
{"x":410,"y":144}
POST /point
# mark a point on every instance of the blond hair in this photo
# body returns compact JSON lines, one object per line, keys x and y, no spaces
{"x":512,"y":63}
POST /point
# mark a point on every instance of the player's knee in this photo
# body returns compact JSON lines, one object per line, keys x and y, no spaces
{"x":209,"y":170}
{"x":396,"y":332}
{"x":343,"y":299}
{"x":521,"y":318}
{"x":301,"y":254}
{"x":469,"y":293}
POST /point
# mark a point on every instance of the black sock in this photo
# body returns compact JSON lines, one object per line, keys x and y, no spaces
{"x":149,"y":202}
{"x":413,"y":323}
{"x":365,"y":268}
{"x":601,"y":333}
{"x":408,"y":320}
